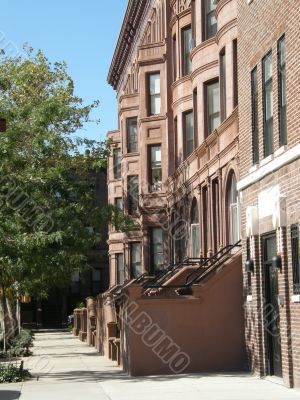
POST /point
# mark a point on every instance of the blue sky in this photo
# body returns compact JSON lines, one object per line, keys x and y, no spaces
{"x":82,"y":33}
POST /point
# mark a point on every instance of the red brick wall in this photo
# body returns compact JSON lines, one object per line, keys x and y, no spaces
{"x":260,"y":25}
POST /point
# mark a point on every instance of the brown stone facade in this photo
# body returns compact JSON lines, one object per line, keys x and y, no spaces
{"x":269,"y":185}
{"x":173,"y":168}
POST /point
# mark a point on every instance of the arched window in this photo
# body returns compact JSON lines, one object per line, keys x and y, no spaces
{"x":232,"y":210}
{"x":195,"y":230}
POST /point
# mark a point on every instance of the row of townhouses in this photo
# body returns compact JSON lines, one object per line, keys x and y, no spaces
{"x":206,"y":161}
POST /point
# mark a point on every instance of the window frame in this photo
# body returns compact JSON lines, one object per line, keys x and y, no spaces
{"x":174,"y":56}
{"x":207,"y":127}
{"x":149,"y":95}
{"x":117,"y":167}
{"x":282,"y":113}
{"x":222,"y":84}
{"x":133,"y":204}
{"x":132,"y":244}
{"x":153,"y":270}
{"x":254,"y":116}
{"x":205,"y":17}
{"x":294,"y":231}
{"x":118,"y":281}
{"x":130,"y":148}
{"x":184,"y":131}
{"x":150,"y":169}
{"x":268,"y":124}
{"x":235,"y":72}
{"x":186,"y":63}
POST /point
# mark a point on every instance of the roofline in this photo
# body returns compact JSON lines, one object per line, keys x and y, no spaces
{"x":130,"y":25}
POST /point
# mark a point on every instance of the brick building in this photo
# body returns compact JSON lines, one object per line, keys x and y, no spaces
{"x":206,"y":154}
{"x":268,"y":66}
{"x":174,"y":169}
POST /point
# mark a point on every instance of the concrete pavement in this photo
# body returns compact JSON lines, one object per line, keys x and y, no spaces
{"x":65,"y":369}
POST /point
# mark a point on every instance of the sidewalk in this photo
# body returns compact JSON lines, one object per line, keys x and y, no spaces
{"x":67,"y":369}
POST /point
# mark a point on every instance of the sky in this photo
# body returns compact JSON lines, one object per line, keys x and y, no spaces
{"x":83,"y":33}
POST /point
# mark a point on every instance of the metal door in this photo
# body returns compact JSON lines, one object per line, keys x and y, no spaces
{"x":272,"y":326}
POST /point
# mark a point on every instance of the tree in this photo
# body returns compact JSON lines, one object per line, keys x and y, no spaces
{"x":48,"y":218}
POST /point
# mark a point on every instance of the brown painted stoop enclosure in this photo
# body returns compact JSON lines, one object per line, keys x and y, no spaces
{"x":189,"y":319}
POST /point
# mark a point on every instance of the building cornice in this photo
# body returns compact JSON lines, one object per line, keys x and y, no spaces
{"x":131,"y":23}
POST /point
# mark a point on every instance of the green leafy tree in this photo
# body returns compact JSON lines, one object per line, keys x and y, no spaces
{"x":48,"y":216}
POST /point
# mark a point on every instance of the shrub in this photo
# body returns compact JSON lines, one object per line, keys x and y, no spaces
{"x":19,"y":346}
{"x":11,"y":372}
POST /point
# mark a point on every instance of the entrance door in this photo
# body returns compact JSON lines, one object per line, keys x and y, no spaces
{"x":271,"y":320}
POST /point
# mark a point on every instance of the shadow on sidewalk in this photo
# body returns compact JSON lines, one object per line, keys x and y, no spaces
{"x":9,"y":394}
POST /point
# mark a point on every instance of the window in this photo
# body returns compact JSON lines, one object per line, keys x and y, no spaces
{"x":195,"y":230}
{"x":174,"y":58}
{"x":120,"y":268}
{"x":268,"y":104}
{"x":195,"y":109}
{"x":193,"y":11}
{"x":133,"y":194}
{"x":186,"y":40}
{"x":132,"y":137}
{"x":156,"y":250}
{"x":176,"y":141}
{"x":75,"y":282}
{"x":282,"y":91}
{"x":188,"y":132}
{"x":223,"y":83}
{"x":96,"y":279}
{"x":295,"y":258}
{"x":254,"y":106}
{"x":233,"y":217}
{"x":155,"y":168}
{"x":235,"y":73}
{"x":135,"y":260}
{"x":215,"y":214}
{"x":154,"y":93}
{"x":119,"y":203}
{"x":205,"y":219}
{"x":249,"y":274}
{"x":212,"y":106}
{"x":210,"y":20}
{"x":117,"y":163}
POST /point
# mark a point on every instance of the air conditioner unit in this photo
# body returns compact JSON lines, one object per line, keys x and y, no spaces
{"x":252,"y":227}
{"x":279,"y":214}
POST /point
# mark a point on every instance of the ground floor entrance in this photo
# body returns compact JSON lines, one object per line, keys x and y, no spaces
{"x":272,"y":320}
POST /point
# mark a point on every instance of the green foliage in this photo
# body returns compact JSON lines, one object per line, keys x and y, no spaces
{"x":11,"y":373}
{"x":19,"y":346}
{"x":48,"y":216}
{"x":121,"y":222}
{"x":80,"y":305}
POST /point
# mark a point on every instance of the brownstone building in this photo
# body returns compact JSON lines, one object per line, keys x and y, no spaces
{"x":206,"y":154}
{"x":174,"y":169}
{"x":269,"y":73}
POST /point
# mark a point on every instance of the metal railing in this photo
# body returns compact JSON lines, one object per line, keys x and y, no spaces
{"x":207,"y":266}
{"x":171,"y":270}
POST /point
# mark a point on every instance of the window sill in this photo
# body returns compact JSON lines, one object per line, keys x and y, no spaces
{"x":295,"y":298}
{"x":266,"y":160}
{"x":280,"y":151}
{"x":253,"y":168}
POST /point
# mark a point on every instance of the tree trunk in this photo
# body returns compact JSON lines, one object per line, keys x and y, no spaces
{"x":9,"y":323}
{"x":3,"y":317}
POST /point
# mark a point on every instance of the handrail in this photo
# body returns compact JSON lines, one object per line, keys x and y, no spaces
{"x":201,"y":271}
{"x":170,"y":270}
